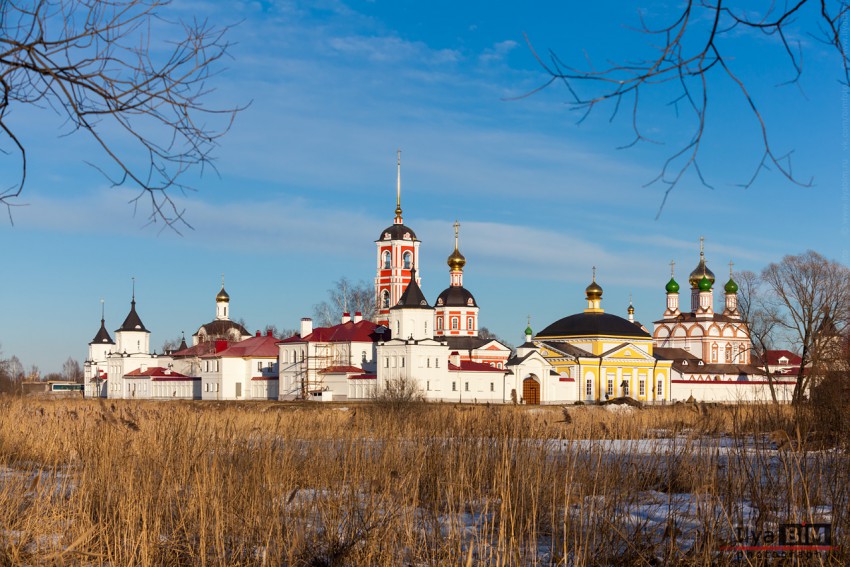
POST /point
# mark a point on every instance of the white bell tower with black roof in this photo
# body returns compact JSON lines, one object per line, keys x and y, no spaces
{"x":132,"y":337}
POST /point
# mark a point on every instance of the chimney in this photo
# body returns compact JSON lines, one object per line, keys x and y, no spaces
{"x":258,"y":333}
{"x":306,"y":326}
{"x":346,"y":317}
{"x":358,"y":316}
{"x":269,"y":333}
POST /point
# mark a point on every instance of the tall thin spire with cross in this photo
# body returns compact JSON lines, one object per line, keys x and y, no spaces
{"x":398,"y":188}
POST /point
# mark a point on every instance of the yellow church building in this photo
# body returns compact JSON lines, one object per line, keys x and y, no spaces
{"x":590,"y":357}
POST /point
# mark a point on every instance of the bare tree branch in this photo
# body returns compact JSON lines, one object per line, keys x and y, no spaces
{"x":134,"y":82}
{"x":693,"y":49}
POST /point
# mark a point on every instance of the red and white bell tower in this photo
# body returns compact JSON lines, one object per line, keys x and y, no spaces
{"x":398,"y":252}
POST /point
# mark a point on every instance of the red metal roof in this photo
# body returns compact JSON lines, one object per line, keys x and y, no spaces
{"x":773,"y":357}
{"x":341,"y":370}
{"x":468,"y":365}
{"x":362,"y":332}
{"x":159,"y":374}
{"x":255,"y":347}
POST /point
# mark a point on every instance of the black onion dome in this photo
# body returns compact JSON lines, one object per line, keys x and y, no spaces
{"x":591,"y":324}
{"x":456,"y":296}
{"x":397,"y":232}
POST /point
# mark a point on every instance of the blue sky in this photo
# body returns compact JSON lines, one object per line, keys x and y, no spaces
{"x":307,"y":176}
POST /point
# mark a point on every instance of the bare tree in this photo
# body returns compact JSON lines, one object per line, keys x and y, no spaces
{"x":71,"y":370}
{"x":119,"y":71}
{"x":486,"y":333}
{"x":761,"y":319}
{"x":811,"y":298}
{"x":695,"y":46}
{"x":345,"y":297}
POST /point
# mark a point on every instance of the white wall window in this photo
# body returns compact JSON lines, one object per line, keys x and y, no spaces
{"x":610,"y":389}
{"x":466,"y":386}
{"x":439,"y":323}
{"x":469,"y":324}
{"x":588,"y":389}
{"x":660,"y":391}
{"x":492,"y":387}
{"x":455,"y":323}
{"x":428,"y":385}
{"x":454,"y":386}
{"x":642,"y":387}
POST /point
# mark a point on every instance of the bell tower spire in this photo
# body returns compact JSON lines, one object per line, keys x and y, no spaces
{"x":398,"y":219}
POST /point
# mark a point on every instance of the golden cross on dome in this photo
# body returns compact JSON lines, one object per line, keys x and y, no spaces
{"x":594,"y":273}
{"x":731,"y":263}
{"x":222,"y":280}
{"x":672,"y":268}
{"x":457,"y":229}
{"x":701,"y":245}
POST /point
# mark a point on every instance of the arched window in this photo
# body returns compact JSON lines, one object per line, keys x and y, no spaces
{"x":728,"y":350}
{"x":387,"y":261}
{"x":469,"y":324}
{"x":439,"y":323}
{"x":455,"y":323}
{"x":397,"y":328}
{"x":408,"y":257}
{"x":426,"y":328}
{"x":714,"y":352}
{"x":385,"y":299}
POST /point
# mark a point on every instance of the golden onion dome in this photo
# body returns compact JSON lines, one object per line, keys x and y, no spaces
{"x":699,"y":272}
{"x":456,"y":261}
{"x":222,"y":296}
{"x":594,"y":290}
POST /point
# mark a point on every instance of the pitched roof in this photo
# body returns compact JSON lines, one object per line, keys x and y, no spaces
{"x":361,"y":332}
{"x":102,"y":336}
{"x":773,"y":357}
{"x":132,"y":322}
{"x":264,"y":346}
{"x":469,"y":366}
{"x":158,"y":374}
{"x":342,"y":369}
{"x":412,"y":298}
{"x":200,"y":349}
{"x":686,"y":317}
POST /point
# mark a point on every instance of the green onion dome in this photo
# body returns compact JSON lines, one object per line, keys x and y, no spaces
{"x":731,"y":286}
{"x":672,"y":286}
{"x":705,"y":284}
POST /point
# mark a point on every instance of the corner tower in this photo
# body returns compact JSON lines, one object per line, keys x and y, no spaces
{"x":398,"y":255}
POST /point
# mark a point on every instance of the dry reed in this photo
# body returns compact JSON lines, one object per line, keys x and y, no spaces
{"x":99,"y":482}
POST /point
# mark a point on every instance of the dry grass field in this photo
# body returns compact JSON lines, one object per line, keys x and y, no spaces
{"x":98,"y":482}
